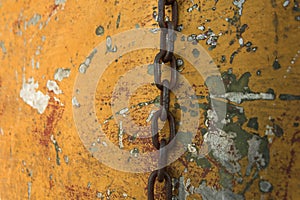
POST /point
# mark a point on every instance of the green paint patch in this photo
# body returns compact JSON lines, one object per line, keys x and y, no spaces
{"x":225,"y":179}
{"x":203,"y":163}
{"x":264,"y":150}
{"x":252,"y":123}
{"x":232,"y":84}
{"x":241,"y":138}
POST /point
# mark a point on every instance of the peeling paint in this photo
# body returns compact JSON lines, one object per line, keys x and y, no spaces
{"x":2,"y":46}
{"x":61,"y":74}
{"x":75,"y":102}
{"x":223,"y":149}
{"x":84,"y":66}
{"x":60,"y":2}
{"x":52,"y":86}
{"x":36,"y":99}
{"x":239,"y":97}
{"x":34,"y":20}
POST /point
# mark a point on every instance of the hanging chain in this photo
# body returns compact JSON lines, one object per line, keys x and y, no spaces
{"x":165,"y":55}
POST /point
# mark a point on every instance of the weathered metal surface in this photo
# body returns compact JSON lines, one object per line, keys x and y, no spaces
{"x":45,"y":45}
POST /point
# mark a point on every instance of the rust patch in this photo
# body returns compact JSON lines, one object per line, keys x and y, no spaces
{"x":79,"y":192}
{"x":53,"y":114}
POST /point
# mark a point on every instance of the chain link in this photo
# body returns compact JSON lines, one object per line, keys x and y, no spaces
{"x":165,"y":55}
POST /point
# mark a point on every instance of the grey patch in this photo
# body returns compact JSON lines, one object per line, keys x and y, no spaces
{"x":254,"y":49}
{"x":206,"y":192}
{"x":265,"y":186}
{"x":59,"y":2}
{"x":297,"y":18}
{"x":2,"y":46}
{"x":120,"y":135}
{"x":109,"y":45}
{"x":99,"y":30}
{"x":239,"y":97}
{"x":179,"y":28}
{"x":150,"y":70}
{"x":239,"y":4}
{"x":34,"y":20}
{"x":201,"y":37}
{"x":52,"y":86}
{"x":29,"y":185}
{"x":89,"y":185}
{"x":135,"y":152}
{"x":258,"y":153}
{"x":179,"y":62}
{"x":57,"y":149}
{"x":61,"y":73}
{"x":202,"y":28}
{"x":196,"y":53}
{"x":84,"y":66}
{"x":223,"y":148}
{"x":38,"y":52}
{"x":66,"y":159}
{"x":75,"y":102}
{"x":274,"y":4}
{"x":226,"y":179}
{"x":100,"y":195}
{"x":37,"y":65}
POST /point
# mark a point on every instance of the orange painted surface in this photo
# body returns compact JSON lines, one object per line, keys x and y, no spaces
{"x":63,"y":35}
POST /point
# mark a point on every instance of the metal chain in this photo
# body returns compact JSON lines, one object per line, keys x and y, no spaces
{"x":165,"y":55}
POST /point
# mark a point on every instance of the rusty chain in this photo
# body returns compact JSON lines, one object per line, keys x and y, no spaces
{"x":165,"y":55}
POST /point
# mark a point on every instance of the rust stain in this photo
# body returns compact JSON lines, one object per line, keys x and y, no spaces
{"x":52,"y":117}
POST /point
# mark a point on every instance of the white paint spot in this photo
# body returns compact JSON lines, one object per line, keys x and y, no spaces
{"x":61,"y":73}
{"x":2,"y":46}
{"x":239,"y":4}
{"x":60,"y":2}
{"x":121,"y":131}
{"x":241,"y":42}
{"x":75,"y":102}
{"x":57,"y":100}
{"x":52,"y":86}
{"x":36,"y":99}
{"x":286,"y":3}
{"x":1,"y":131}
{"x":239,"y":97}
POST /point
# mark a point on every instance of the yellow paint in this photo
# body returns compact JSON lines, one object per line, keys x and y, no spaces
{"x":69,"y":32}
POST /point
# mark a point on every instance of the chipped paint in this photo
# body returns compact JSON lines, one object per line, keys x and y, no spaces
{"x":36,"y":99}
{"x":3,"y":48}
{"x":239,"y":97}
{"x":61,"y":74}
{"x":120,"y":135}
{"x":75,"y":102}
{"x":52,"y":86}
{"x":84,"y":66}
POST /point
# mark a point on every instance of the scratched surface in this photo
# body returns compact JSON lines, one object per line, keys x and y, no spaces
{"x":45,"y":45}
